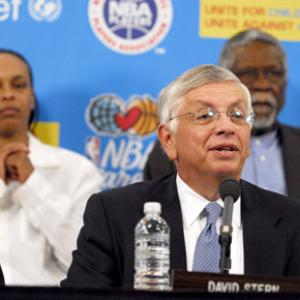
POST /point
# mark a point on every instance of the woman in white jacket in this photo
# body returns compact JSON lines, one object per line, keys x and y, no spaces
{"x":43,"y":189}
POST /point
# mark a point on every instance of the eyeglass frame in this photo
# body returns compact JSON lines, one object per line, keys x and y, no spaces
{"x":248,"y":119}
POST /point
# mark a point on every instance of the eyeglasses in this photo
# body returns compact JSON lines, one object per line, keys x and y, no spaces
{"x":252,"y":74}
{"x":209,"y":116}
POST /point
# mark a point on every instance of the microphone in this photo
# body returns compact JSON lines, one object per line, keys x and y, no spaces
{"x":230,"y":191}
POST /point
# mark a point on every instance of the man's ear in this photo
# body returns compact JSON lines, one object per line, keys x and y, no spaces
{"x":167,"y":141}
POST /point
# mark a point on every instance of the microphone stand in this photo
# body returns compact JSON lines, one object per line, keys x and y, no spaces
{"x":225,"y":235}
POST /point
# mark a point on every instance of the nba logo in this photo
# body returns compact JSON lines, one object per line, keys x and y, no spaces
{"x":92,"y":149}
{"x":130,"y":26}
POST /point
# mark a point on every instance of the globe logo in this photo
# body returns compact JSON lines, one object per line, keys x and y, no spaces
{"x":45,"y":10}
{"x":130,"y":26}
{"x":101,"y":111}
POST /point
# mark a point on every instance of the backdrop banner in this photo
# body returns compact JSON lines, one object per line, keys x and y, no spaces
{"x":99,"y":65}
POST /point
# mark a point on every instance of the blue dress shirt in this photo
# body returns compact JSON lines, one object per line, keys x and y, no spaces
{"x":264,"y":167}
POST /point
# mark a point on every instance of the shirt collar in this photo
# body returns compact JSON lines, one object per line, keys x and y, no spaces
{"x":42,"y":155}
{"x":192,"y":204}
{"x":265,"y":140}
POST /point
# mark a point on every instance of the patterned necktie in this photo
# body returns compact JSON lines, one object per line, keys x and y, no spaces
{"x":207,"y":250}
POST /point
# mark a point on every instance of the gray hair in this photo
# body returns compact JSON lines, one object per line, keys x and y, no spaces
{"x":172,"y":96}
{"x":246,"y":37}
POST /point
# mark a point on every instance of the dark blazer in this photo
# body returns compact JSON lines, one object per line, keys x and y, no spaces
{"x":105,"y":254}
{"x":1,"y":277}
{"x":289,"y":138}
{"x":158,"y":163}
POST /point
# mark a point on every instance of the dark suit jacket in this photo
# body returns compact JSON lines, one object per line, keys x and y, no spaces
{"x":105,"y":254}
{"x":289,"y":138}
{"x":1,"y":277}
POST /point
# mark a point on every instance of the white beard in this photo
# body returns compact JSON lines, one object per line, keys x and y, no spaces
{"x":264,"y":121}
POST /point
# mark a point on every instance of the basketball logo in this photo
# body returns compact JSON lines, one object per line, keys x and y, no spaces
{"x":130,"y":26}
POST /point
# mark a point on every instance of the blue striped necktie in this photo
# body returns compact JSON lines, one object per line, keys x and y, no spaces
{"x":207,"y":250}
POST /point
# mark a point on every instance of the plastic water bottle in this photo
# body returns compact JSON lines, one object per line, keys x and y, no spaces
{"x":152,"y":250}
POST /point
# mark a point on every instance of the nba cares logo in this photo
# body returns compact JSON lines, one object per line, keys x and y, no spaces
{"x":130,"y":26}
{"x":108,"y":114}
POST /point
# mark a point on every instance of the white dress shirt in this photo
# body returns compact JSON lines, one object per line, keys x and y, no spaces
{"x":192,"y":204}
{"x":40,"y":219}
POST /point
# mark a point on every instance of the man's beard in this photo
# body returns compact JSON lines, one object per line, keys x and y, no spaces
{"x":264,"y":120}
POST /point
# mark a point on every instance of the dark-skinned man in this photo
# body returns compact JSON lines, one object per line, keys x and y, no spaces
{"x":258,"y":59}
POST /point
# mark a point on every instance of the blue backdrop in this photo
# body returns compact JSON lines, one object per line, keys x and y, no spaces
{"x":99,"y":66}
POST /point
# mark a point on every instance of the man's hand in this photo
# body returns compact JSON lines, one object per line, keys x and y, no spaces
{"x":14,"y":162}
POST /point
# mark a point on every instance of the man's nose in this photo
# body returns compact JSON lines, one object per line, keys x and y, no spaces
{"x":261,"y":82}
{"x":224,"y":124}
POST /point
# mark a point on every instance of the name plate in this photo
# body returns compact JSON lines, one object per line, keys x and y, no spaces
{"x":223,"y":283}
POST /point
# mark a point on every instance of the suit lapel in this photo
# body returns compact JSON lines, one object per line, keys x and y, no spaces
{"x":264,"y":244}
{"x":291,"y":158}
{"x":167,"y":195}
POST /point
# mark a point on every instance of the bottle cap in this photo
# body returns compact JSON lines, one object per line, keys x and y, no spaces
{"x":152,"y":207}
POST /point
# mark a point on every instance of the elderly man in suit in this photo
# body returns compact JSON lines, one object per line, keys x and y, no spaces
{"x":259,"y":61}
{"x":205,"y":124}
